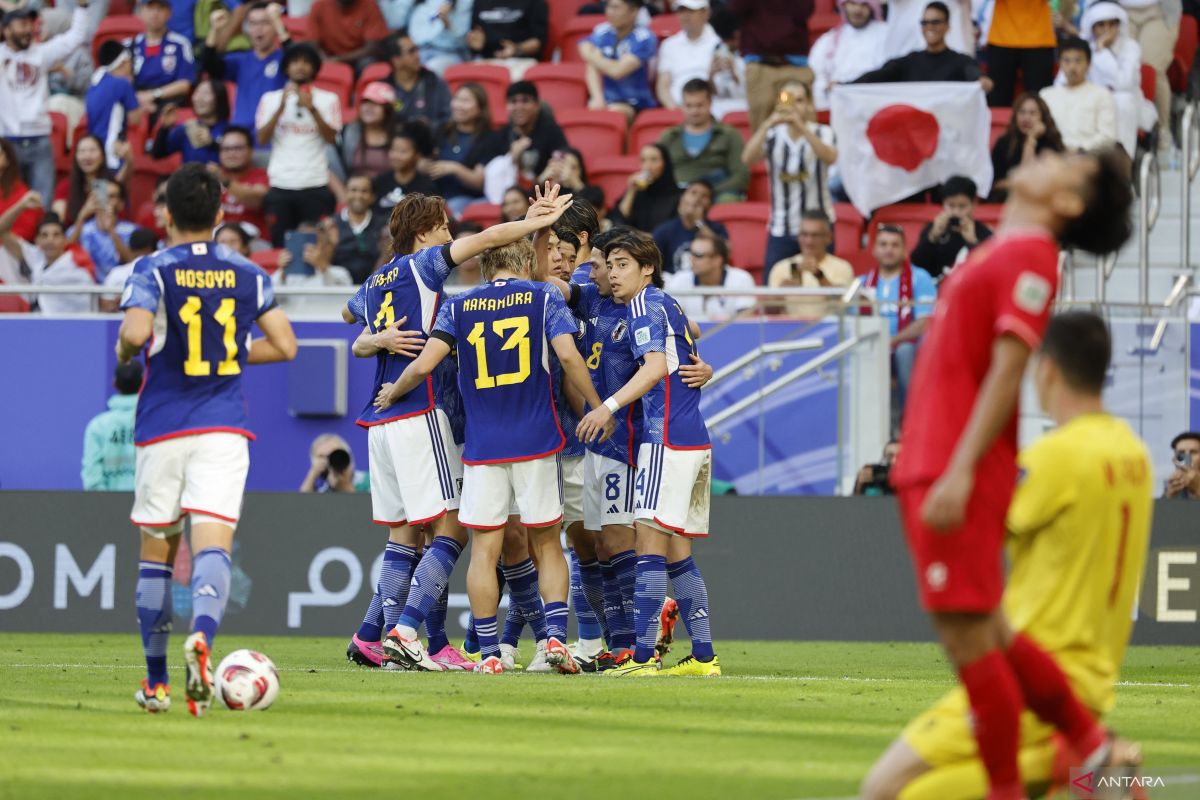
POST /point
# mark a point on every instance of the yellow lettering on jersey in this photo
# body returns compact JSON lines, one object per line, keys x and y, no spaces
{"x":497,"y":303}
{"x":593,"y":361}
{"x":194,"y":364}
{"x":387,"y":315}
{"x":384,"y":277}
{"x":206,"y":278}
{"x":518,"y":339}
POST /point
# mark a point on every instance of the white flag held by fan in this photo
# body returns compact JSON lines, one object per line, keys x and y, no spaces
{"x":897,"y":139}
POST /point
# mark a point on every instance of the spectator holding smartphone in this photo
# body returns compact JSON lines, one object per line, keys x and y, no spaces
{"x":1184,"y":483}
{"x":953,"y":233}
{"x":197,"y":139}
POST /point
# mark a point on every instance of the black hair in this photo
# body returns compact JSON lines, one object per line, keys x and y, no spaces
{"x":1193,"y":435}
{"x":241,"y":232}
{"x":221,"y":97}
{"x":959,"y":184}
{"x":238,"y":129}
{"x":814,"y":215}
{"x":143,"y":239}
{"x":698,"y":85}
{"x":50,"y":219}
{"x":417,"y":132}
{"x":364,"y":176}
{"x":1078,"y":343}
{"x":615,"y":232}
{"x":1075,"y":43}
{"x":301,"y":50}
{"x":591,"y":194}
{"x":518,"y":88}
{"x":642,"y":249}
{"x":579,"y":218}
{"x":127,"y":378}
{"x":938,"y":5}
{"x":110,"y":51}
{"x":391,"y":45}
{"x":1105,"y":224}
{"x":712,"y":190}
{"x":193,"y":198}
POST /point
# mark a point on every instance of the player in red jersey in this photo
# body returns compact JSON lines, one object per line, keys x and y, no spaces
{"x":957,"y":471}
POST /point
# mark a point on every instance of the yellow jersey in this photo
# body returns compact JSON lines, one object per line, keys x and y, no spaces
{"x":1079,"y":528}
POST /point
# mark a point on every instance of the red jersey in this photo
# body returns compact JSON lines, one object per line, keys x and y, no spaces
{"x":1006,"y":286}
{"x":236,"y":211}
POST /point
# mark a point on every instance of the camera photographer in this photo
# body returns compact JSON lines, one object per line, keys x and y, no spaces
{"x":873,"y":478}
{"x":953,"y":233}
{"x":332,"y":467}
{"x":1184,"y":483}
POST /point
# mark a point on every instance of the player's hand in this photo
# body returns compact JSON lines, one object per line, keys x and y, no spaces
{"x":697,"y":373}
{"x":945,"y":507}
{"x":400,"y":342}
{"x":555,"y":211}
{"x":383,"y":400}
{"x":598,"y":425}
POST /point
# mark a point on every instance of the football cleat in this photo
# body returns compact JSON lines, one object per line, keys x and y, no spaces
{"x":155,"y":700}
{"x":587,"y":658}
{"x":198,"y":662}
{"x":539,"y":662}
{"x":1118,"y":758}
{"x":450,"y":658}
{"x":558,"y":656}
{"x":667,"y":618}
{"x":628,"y":668}
{"x":474,"y":657}
{"x":609,"y":659}
{"x":690,"y":665}
{"x":511,"y":656}
{"x":490,"y":666}
{"x":408,"y":653}
{"x":365,"y":654}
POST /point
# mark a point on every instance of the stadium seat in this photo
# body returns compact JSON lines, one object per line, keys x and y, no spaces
{"x":912,"y":217}
{"x":563,"y":86}
{"x":575,"y":31}
{"x":561,"y":13}
{"x":1000,"y":118}
{"x":989,"y":213}
{"x":611,"y":174}
{"x":267,"y":259}
{"x":594,"y":132}
{"x":379,"y":71}
{"x":13,"y":304}
{"x":847,"y":230}
{"x":739,"y":120}
{"x":650,"y":124}
{"x":338,"y":78}
{"x":115,"y":26}
{"x":760,"y":184}
{"x":821,"y":22}
{"x":146,"y":172}
{"x":665,"y":25}
{"x":483,"y":214}
{"x":493,"y":78}
{"x":297,"y":28}
{"x":1185,"y":54}
{"x":1149,"y":82}
{"x":747,"y":225}
{"x":81,"y":129}
{"x":58,"y":143}
{"x":121,"y":7}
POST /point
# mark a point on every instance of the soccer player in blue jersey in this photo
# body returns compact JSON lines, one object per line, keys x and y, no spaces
{"x":194,"y":303}
{"x":505,"y":330}
{"x":673,"y":482}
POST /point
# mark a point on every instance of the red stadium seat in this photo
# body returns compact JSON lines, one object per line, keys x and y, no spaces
{"x":820,"y":23}
{"x":297,"y":28}
{"x":747,"y":226}
{"x":115,"y":26}
{"x":483,"y":214}
{"x":989,"y":213}
{"x":650,"y":124}
{"x":267,"y":259}
{"x":1185,"y":54}
{"x":665,"y":25}
{"x":1149,"y":82}
{"x":760,"y":184}
{"x":611,"y":174}
{"x":575,"y":31}
{"x":58,"y":143}
{"x":1000,"y":118}
{"x":563,"y":86}
{"x":740,"y":120}
{"x":594,"y":132}
{"x":379,"y":71}
{"x":338,"y":78}
{"x":493,"y":78}
{"x":561,"y":13}
{"x":912,"y":217}
{"x":13,"y":304}
{"x":847,"y":230}
{"x":146,"y":172}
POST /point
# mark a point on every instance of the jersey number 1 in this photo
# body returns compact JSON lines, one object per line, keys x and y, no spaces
{"x":519,"y":339}
{"x":194,"y":365}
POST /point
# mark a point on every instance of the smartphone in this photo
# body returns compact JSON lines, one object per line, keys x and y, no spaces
{"x":295,"y":242}
{"x":100,"y":189}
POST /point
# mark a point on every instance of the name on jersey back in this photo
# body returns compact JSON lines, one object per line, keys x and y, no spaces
{"x":206,"y":278}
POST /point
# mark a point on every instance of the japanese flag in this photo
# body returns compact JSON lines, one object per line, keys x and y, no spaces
{"x":896,"y":139}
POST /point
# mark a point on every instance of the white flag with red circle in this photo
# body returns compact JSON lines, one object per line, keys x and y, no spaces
{"x":897,"y":139}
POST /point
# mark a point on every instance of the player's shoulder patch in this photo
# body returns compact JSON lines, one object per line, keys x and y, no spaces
{"x":642,"y":336}
{"x":1031,"y":292}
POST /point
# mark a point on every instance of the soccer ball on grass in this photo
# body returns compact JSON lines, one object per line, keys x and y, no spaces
{"x":246,"y":680}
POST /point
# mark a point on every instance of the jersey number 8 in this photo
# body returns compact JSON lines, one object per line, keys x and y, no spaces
{"x":195,"y":365}
{"x":519,"y":339}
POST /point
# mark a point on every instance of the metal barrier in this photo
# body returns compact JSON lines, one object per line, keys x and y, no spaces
{"x":1190,"y":140}
{"x":1149,"y":188}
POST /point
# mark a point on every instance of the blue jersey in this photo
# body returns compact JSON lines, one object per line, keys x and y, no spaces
{"x":566,"y":414}
{"x":178,"y":142}
{"x":582,"y":275}
{"x":503,"y":331}
{"x":634,"y":88}
{"x":671,"y":409}
{"x":204,"y":298}
{"x":109,"y":100}
{"x":168,"y":61}
{"x":611,"y":364}
{"x":407,"y":286}
{"x":254,"y":77}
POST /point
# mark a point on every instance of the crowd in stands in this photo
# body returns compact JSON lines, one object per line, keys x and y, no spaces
{"x":703,"y":122}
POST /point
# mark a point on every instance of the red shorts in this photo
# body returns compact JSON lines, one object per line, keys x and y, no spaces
{"x":960,"y":570}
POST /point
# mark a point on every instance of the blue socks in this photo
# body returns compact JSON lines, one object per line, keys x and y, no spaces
{"x":154,"y":617}
{"x":556,"y":621}
{"x":471,"y":642}
{"x":514,"y":623}
{"x":618,"y":631}
{"x":488,"y":644}
{"x":435,"y":624}
{"x":523,"y":592}
{"x":592,"y":583}
{"x":692,"y":596}
{"x":429,"y":581}
{"x":394,"y":577}
{"x":371,"y":629}
{"x":211,"y":570}
{"x":625,"y":566}
{"x":649,"y":594}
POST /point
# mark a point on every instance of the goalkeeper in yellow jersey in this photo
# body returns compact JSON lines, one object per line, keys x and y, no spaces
{"x":1078,"y":531}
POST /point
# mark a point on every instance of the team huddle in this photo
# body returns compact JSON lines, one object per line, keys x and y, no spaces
{"x":562,"y":394}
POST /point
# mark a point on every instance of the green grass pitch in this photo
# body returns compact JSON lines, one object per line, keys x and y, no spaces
{"x":788,"y":720}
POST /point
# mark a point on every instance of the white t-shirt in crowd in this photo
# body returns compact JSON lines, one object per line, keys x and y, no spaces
{"x":904,"y":27}
{"x":297,"y":149}
{"x":686,"y":59}
{"x":713,"y":308}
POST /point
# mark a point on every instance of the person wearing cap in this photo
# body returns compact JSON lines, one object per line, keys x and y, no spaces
{"x":255,"y":71}
{"x":25,"y":90}
{"x":844,"y":53}
{"x":349,"y":31}
{"x":530,"y":137}
{"x":687,"y":54}
{"x":108,"y":451}
{"x":365,"y":141}
{"x":164,"y":68}
{"x":298,"y":121}
{"x":111,"y":103}
{"x":618,"y":55}
{"x":419,"y":93}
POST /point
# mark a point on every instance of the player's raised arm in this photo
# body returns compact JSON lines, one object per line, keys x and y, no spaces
{"x":436,"y":349}
{"x":464,"y":249}
{"x":280,"y":342}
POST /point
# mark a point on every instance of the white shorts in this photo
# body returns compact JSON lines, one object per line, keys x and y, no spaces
{"x":203,"y":475}
{"x":674,"y":489}
{"x":489,"y":492}
{"x":416,"y":469}
{"x":572,"y":469}
{"x":608,"y":495}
